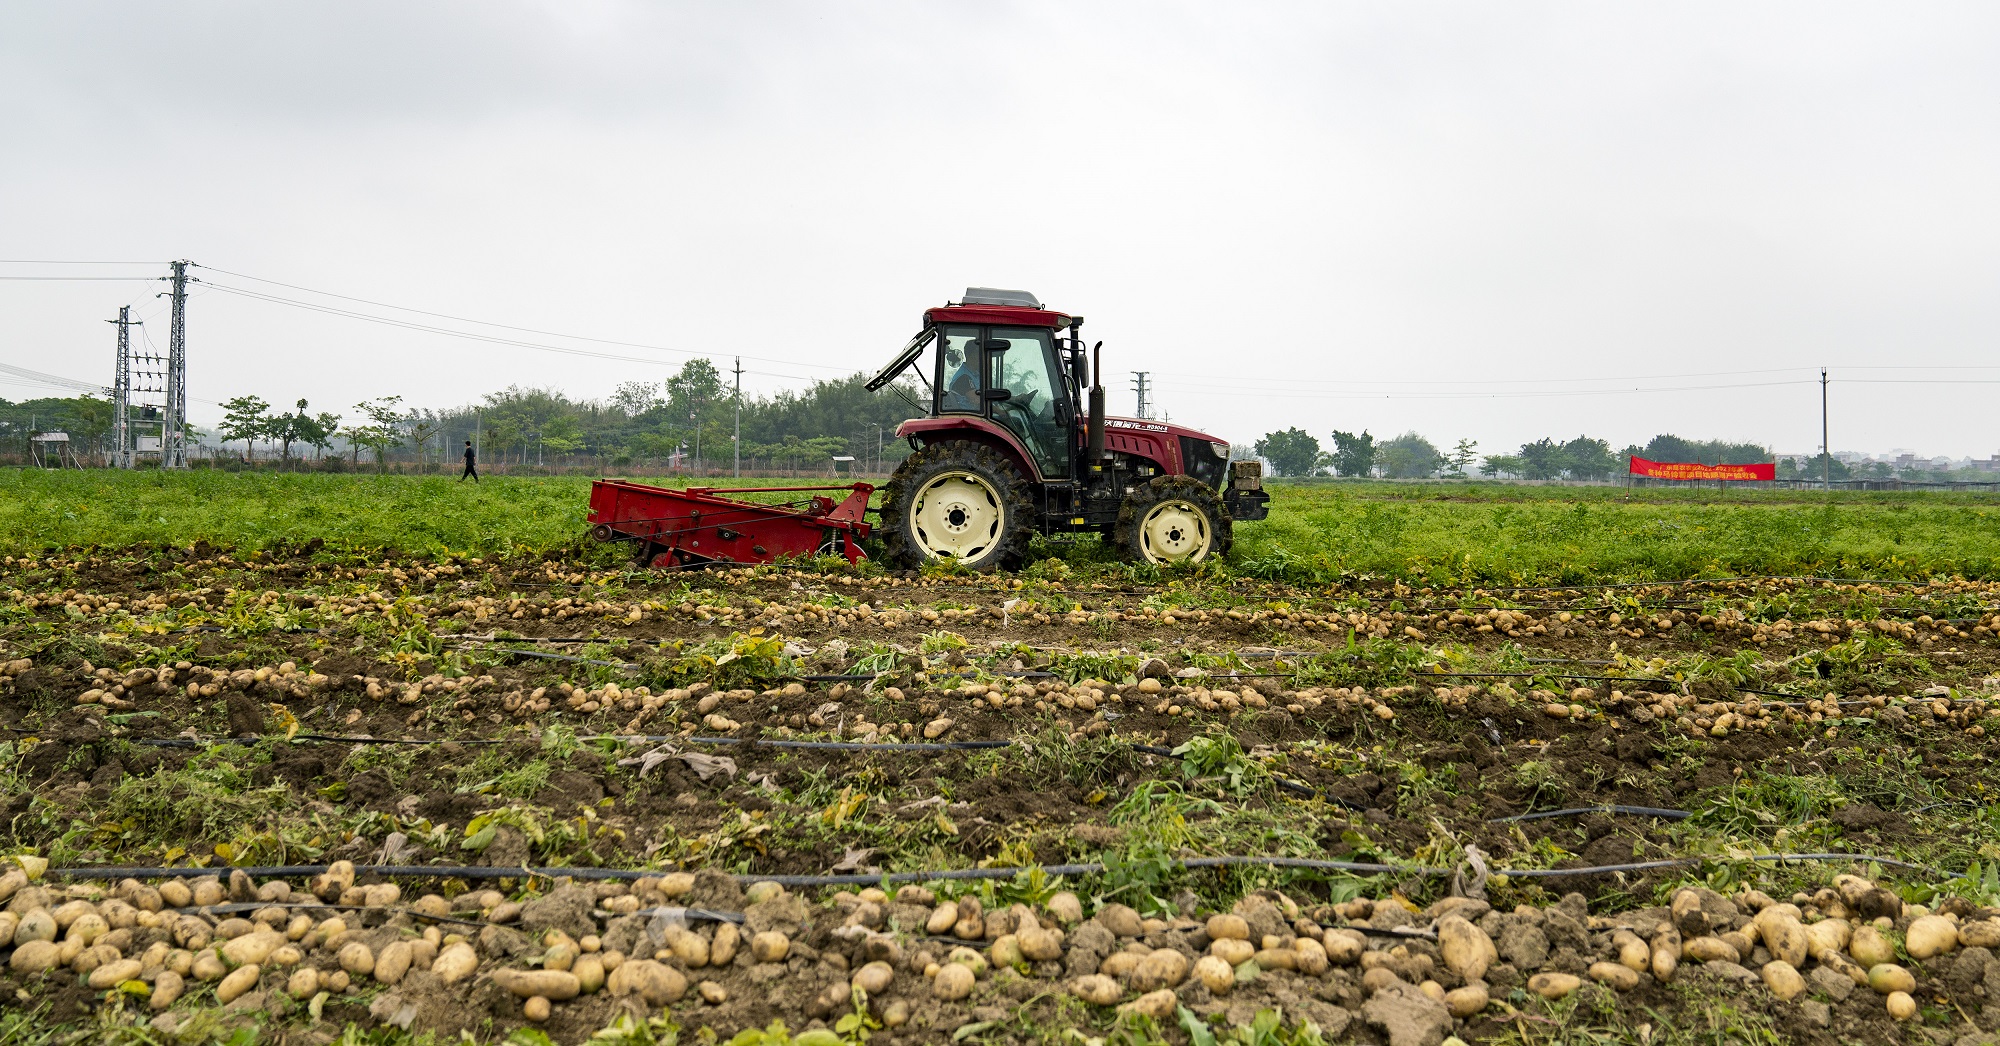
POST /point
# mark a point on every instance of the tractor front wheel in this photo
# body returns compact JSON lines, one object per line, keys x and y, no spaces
{"x":1173,"y":519}
{"x":957,"y":500}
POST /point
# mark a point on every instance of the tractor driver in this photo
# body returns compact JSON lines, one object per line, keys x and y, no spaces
{"x":961,"y":390}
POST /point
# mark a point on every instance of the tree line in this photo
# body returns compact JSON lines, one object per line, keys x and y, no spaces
{"x":687,"y":421}
{"x":1296,"y":452}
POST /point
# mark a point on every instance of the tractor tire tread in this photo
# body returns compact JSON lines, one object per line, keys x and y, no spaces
{"x":1125,"y":533}
{"x":899,"y":546}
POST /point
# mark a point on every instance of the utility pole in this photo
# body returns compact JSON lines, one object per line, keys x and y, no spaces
{"x":1139,"y":385}
{"x":1825,"y":448}
{"x":736,"y":439}
{"x":121,"y":393}
{"x":173,"y":433}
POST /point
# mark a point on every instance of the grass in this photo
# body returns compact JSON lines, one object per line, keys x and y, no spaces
{"x":1480,"y":533}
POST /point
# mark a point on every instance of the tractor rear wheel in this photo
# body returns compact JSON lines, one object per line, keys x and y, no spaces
{"x":957,"y":500}
{"x":1173,"y":519}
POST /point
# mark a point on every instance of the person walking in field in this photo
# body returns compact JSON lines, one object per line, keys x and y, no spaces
{"x":471,"y":465}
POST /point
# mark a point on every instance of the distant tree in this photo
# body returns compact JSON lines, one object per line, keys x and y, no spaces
{"x":384,"y":430}
{"x":1354,"y":455}
{"x":1543,"y":459}
{"x":1586,"y":458}
{"x":319,"y":434}
{"x":1292,"y":452}
{"x":1410,"y":456}
{"x":634,"y":398}
{"x":1669,"y":447}
{"x":1503,"y":465}
{"x":563,"y":435}
{"x":1460,"y":460}
{"x":245,"y":418}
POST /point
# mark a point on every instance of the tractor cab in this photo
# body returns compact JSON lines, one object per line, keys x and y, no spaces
{"x":1011,"y":379}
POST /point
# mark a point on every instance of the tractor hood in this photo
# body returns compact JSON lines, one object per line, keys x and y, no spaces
{"x":1163,"y":428}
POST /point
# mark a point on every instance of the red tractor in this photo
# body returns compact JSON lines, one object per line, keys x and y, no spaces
{"x":1010,"y":449}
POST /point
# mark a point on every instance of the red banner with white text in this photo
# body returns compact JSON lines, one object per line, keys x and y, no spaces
{"x":1694,"y":470}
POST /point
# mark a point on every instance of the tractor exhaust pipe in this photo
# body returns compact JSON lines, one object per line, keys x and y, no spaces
{"x":1096,"y":430}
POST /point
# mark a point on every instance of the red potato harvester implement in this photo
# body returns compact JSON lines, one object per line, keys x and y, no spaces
{"x":677,"y":529}
{"x":1015,"y":442}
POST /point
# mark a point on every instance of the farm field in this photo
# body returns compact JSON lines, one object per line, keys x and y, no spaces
{"x":1293,"y":797}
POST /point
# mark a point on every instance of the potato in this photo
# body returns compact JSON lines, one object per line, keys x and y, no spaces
{"x":1783,"y":937}
{"x":251,"y":949}
{"x":1827,"y":935}
{"x":875,"y":977}
{"x":1309,"y":957}
{"x":1096,"y":989}
{"x":1063,"y":907}
{"x":535,"y":1009}
{"x":455,"y":963}
{"x":1343,"y":947}
{"x":1233,"y":951}
{"x":655,"y":982}
{"x":303,"y":984}
{"x":1930,"y":935}
{"x":36,"y":925}
{"x":1039,"y":945}
{"x":1666,"y":953}
{"x":1228,"y":927}
{"x":1888,"y":977}
{"x":1554,"y":985}
{"x":1164,"y":968}
{"x":589,"y":971}
{"x":209,"y":966}
{"x":954,"y":981}
{"x":1632,"y":952}
{"x":1614,"y":975}
{"x":1783,"y":979}
{"x":357,"y":959}
{"x":35,"y":956}
{"x":549,"y":984}
{"x":1984,"y":933}
{"x":721,"y":950}
{"x":770,"y":946}
{"x":1709,"y":949}
{"x":1466,"y":949}
{"x":1158,"y":1005}
{"x":393,"y":963}
{"x":113,"y":974}
{"x":1870,"y":948}
{"x":1901,"y":1006}
{"x":1218,"y":975}
{"x":942,"y":920}
{"x":167,"y":988}
{"x":1467,"y":1001}
{"x":241,"y":980}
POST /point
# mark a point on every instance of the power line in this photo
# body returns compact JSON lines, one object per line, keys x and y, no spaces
{"x":51,"y":261}
{"x":83,"y":279}
{"x":467,"y":335}
{"x":504,"y":326}
{"x":1209,"y":390}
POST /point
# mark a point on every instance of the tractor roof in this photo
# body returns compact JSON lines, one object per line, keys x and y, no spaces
{"x":988,"y":305}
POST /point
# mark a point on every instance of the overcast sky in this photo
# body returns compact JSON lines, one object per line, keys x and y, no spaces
{"x":1386,"y":216}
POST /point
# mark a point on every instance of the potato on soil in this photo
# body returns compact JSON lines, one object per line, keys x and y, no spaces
{"x":550,"y":984}
{"x":1159,"y":1005}
{"x":1468,"y":1000}
{"x":167,"y":988}
{"x":655,"y":982}
{"x":1216,"y":974}
{"x":953,"y":981}
{"x":1553,"y":985}
{"x":1096,"y":989}
{"x":535,"y":1009}
{"x":1901,"y":1005}
{"x":455,"y":963}
{"x":1930,"y":935}
{"x":1887,"y":978}
{"x":242,"y":980}
{"x":1782,"y":978}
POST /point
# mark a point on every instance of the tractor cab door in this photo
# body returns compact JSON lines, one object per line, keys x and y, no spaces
{"x":1011,"y":375}
{"x":1027,"y":394}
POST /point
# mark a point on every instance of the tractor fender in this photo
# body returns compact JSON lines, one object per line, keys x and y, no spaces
{"x":972,"y":430}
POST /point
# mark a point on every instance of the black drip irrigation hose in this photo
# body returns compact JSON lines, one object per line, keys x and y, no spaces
{"x":891,"y":878}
